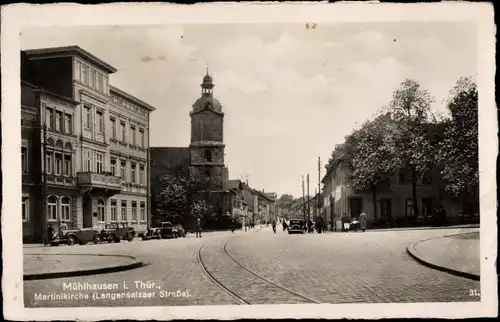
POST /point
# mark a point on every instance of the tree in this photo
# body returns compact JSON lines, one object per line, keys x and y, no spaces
{"x":375,"y":159}
{"x":410,"y":110}
{"x":458,"y":151}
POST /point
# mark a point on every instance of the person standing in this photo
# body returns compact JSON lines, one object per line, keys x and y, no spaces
{"x":198,"y":227}
{"x":50,"y":233}
{"x":345,"y":222}
{"x":363,"y":221}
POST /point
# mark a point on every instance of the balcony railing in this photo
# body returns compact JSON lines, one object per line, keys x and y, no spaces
{"x":99,"y":180}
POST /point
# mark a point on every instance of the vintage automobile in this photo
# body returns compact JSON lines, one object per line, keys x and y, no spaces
{"x":152,"y":233}
{"x":166,"y":230}
{"x":296,"y":226}
{"x":115,"y":232}
{"x":76,"y":236}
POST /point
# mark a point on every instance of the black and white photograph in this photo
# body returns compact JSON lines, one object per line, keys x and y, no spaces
{"x":173,"y":161}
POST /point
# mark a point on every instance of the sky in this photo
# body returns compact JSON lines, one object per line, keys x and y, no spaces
{"x":289,"y":93}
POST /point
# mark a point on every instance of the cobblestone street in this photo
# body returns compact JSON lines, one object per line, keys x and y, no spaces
{"x":371,"y":267}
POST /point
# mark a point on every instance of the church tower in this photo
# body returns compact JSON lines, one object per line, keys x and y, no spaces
{"x":207,"y":143}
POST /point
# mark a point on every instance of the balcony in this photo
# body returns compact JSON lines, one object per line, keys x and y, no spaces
{"x":101,"y":183}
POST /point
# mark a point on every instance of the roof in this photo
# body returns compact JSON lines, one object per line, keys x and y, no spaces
{"x":132,"y":98}
{"x":37,"y":89}
{"x":68,"y":51}
{"x":234,"y":184}
{"x":207,"y":102}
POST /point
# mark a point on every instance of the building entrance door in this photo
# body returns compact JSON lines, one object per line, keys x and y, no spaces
{"x":356,"y":206}
{"x":87,"y":212}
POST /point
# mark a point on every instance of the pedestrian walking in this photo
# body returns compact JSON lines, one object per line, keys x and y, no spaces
{"x":363,"y":221}
{"x":346,"y":222}
{"x":198,"y":228}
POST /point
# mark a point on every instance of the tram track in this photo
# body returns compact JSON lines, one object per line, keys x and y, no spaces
{"x":246,"y":286}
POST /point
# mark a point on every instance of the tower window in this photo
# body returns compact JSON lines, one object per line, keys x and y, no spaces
{"x":207,"y":173}
{"x":208,"y":155}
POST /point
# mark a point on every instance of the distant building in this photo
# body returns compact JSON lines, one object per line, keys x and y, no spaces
{"x":84,"y":144}
{"x":203,"y":159}
{"x":239,"y":207}
{"x":393,"y":198}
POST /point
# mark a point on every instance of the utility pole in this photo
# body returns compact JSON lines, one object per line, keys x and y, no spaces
{"x":319,"y":184}
{"x":308,"y":203}
{"x":303,"y":200}
{"x":44,"y":183}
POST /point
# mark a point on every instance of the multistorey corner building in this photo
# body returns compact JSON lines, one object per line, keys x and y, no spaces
{"x":85,"y":144}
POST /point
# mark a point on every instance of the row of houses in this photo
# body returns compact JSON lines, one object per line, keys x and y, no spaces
{"x":85,"y":145}
{"x":392,"y":201}
{"x":250,"y":205}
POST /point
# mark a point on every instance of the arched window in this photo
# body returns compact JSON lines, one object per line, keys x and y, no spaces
{"x":66,"y":209}
{"x":100,"y":210}
{"x":208,"y":155}
{"x":67,"y":146}
{"x":59,"y":144}
{"x":50,"y":142}
{"x":52,"y":208}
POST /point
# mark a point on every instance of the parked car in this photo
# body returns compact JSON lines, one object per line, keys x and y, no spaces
{"x":77,"y":236}
{"x":115,"y":232}
{"x":152,"y":233}
{"x":296,"y":226}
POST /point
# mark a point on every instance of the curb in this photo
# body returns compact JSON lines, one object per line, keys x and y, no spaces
{"x":419,"y":258}
{"x":425,"y":228}
{"x":86,"y":272}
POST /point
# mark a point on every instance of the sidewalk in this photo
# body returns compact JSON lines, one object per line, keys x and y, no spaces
{"x":45,"y":266}
{"x":454,"y":254}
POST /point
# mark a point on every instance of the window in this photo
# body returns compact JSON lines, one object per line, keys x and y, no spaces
{"x":100,"y":210}
{"x":67,"y":165}
{"x":143,"y":211}
{"x":85,"y":74}
{"x":132,"y":134}
{"x":427,"y":178}
{"x":385,"y":208}
{"x":48,"y":162}
{"x":59,"y":121}
{"x":105,"y":85}
{"x":123,"y":211}
{"x":52,"y":208}
{"x":113,"y":166}
{"x":24,"y":159}
{"x":65,"y":209}
{"x":86,"y":117}
{"x":26,"y":208}
{"x":99,"y":82}
{"x":122,"y":131}
{"x":58,"y":159}
{"x":92,"y":78}
{"x":134,"y":211}
{"x":88,"y":161}
{"x":113,"y":127}
{"x":207,"y":173}
{"x":123,"y":165}
{"x":409,"y":207}
{"x":69,"y":123}
{"x":113,"y":210}
{"x":427,"y":206}
{"x":49,"y":117}
{"x":141,"y":137}
{"x":132,"y":172}
{"x":141,"y":174}
{"x":78,"y":74}
{"x":208,"y":155}
{"x":99,"y":121}
{"x":99,"y":162}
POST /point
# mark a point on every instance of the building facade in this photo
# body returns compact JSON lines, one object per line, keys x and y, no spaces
{"x":393,"y":199}
{"x":91,"y":157}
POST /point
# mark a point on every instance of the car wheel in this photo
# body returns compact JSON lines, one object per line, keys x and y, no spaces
{"x":130,"y":237}
{"x":97,"y":239}
{"x":111,"y":239}
{"x":71,"y":240}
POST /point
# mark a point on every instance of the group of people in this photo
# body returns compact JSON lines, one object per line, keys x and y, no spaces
{"x":360,"y":222}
